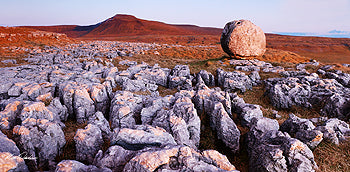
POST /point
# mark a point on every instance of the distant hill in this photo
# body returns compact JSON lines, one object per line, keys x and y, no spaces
{"x":128,"y":25}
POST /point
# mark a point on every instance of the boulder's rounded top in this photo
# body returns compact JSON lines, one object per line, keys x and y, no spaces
{"x":243,"y":38}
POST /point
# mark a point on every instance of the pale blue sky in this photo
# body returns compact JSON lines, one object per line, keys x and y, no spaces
{"x":270,"y":15}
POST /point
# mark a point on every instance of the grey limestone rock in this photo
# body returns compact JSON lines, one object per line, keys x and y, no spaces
{"x":124,"y":108}
{"x":334,"y":130}
{"x":337,"y":106}
{"x":285,"y":93}
{"x":180,"y":76}
{"x":138,"y":85}
{"x":114,"y":158}
{"x":302,"y":129}
{"x":16,"y":89}
{"x":87,"y":142}
{"x":207,"y":77}
{"x":69,"y":165}
{"x":10,"y":162}
{"x":148,"y":113}
{"x":101,"y":122}
{"x":8,"y":145}
{"x":224,"y":126}
{"x":83,"y":105}
{"x":233,"y":81}
{"x":99,"y":94}
{"x":141,"y":136}
{"x":39,"y":138}
{"x":9,"y":115}
{"x":155,"y":74}
{"x":76,"y":166}
{"x":179,"y":158}
{"x":37,"y":110}
{"x":272,"y":150}
{"x":184,"y":111}
{"x":247,"y":68}
{"x":246,"y":112}
{"x":181,"y":120}
{"x":4,"y":87}
{"x":57,"y":108}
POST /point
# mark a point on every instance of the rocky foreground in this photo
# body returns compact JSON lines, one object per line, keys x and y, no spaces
{"x":130,"y":127}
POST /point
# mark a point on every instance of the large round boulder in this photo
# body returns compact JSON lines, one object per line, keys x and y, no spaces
{"x":243,"y":38}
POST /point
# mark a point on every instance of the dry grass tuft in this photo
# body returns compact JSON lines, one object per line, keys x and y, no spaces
{"x":331,"y":157}
{"x":163,"y":91}
{"x":69,"y":150}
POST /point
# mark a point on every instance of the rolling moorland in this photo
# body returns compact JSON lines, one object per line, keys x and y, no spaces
{"x":168,"y":46}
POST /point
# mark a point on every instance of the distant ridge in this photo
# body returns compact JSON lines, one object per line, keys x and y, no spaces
{"x":330,"y":34}
{"x":128,"y":25}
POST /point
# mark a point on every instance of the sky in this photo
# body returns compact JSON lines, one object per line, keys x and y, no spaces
{"x":270,"y":15}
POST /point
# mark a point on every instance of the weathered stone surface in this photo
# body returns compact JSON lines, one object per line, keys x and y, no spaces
{"x":140,"y":137}
{"x":36,"y":110}
{"x":207,"y":77}
{"x":10,"y":162}
{"x":16,"y":89}
{"x":131,"y":71}
{"x":114,"y":158}
{"x":40,"y":139}
{"x":76,"y":98}
{"x":184,"y":109}
{"x":45,"y":98}
{"x":219,"y":160}
{"x":100,"y":96}
{"x":218,"y":107}
{"x":87,"y":142}
{"x":334,"y":130}
{"x":124,"y":108}
{"x":4,"y":87}
{"x":9,"y":115}
{"x":76,"y":166}
{"x":243,"y":38}
{"x":246,"y":112}
{"x":255,"y":65}
{"x":306,"y":90}
{"x":233,"y":81}
{"x":224,"y":126}
{"x":179,"y":130}
{"x":180,"y":76}
{"x":83,"y":105}
{"x":57,"y":108}
{"x":154,"y":74}
{"x":337,"y":106}
{"x":302,"y":129}
{"x":272,"y":150}
{"x":8,"y":145}
{"x":101,"y":122}
{"x":287,"y":93}
{"x":179,"y":158}
{"x":182,"y":121}
{"x":149,"y":112}
{"x":66,"y":93}
{"x":138,"y":85}
{"x":302,"y":66}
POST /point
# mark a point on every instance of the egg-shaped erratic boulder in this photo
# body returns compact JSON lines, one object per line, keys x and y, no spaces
{"x":243,"y":38}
